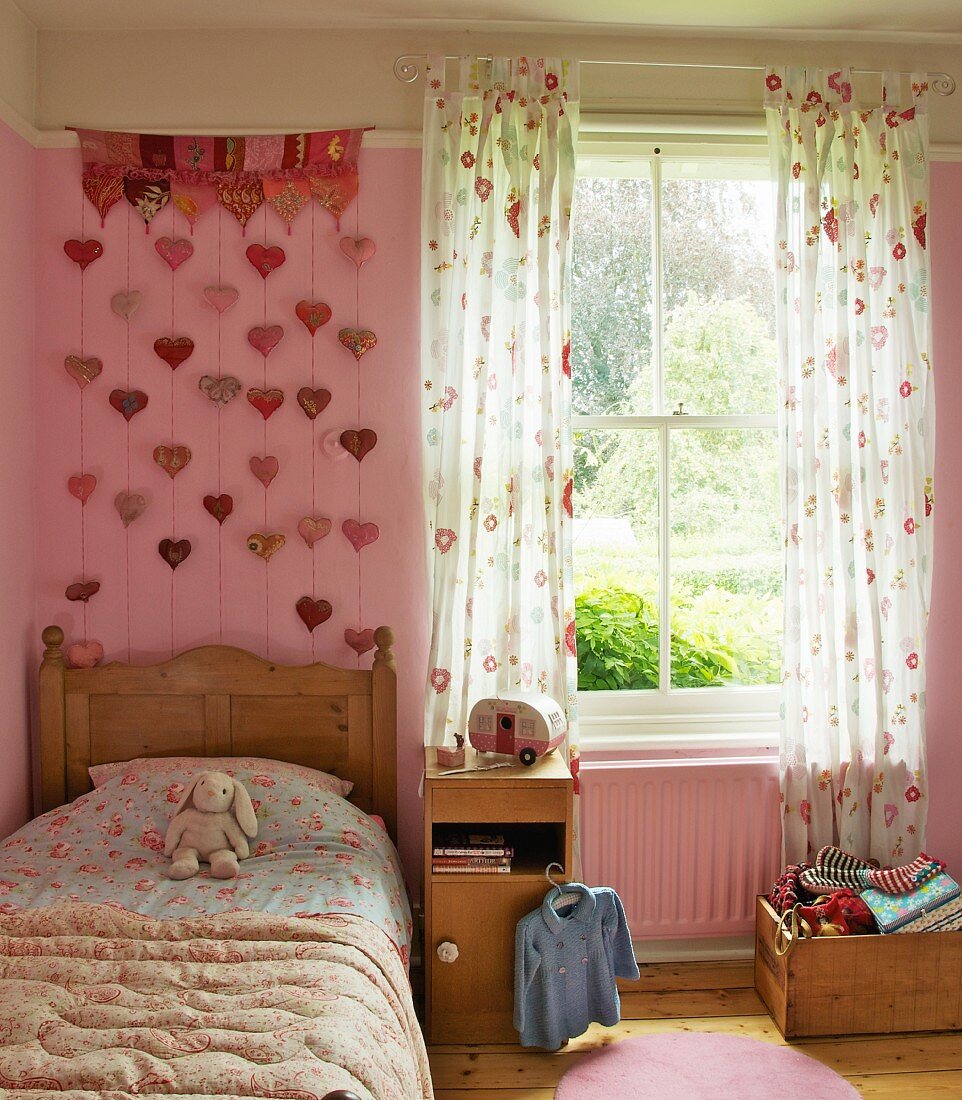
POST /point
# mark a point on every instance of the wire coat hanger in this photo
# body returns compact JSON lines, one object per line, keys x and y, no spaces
{"x":567,"y":893}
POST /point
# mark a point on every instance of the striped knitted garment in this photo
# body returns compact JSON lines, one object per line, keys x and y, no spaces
{"x":835,"y":868}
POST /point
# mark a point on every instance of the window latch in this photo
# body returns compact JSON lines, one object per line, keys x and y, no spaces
{"x":680,"y":411}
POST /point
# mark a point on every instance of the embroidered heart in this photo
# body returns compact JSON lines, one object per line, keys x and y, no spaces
{"x":357,"y":340}
{"x":129,"y":507}
{"x":313,"y":314}
{"x":172,"y":459}
{"x":358,"y":249}
{"x":313,"y":612}
{"x":82,"y":371}
{"x":81,"y":486}
{"x":220,"y":390}
{"x":267,"y":402}
{"x":360,"y":535}
{"x":128,"y":402}
{"x":85,"y":654}
{"x":126,"y":303}
{"x":265,"y":546}
{"x":219,"y":507}
{"x":313,"y":402}
{"x":174,"y":252}
{"x":265,"y":260}
{"x":360,"y":640}
{"x":358,"y":443}
{"x":83,"y":252}
{"x":174,"y":552}
{"x":265,"y":338}
{"x":264,"y":469}
{"x":174,"y":349}
{"x":221,"y":297}
{"x":82,"y":590}
{"x":314,"y":528}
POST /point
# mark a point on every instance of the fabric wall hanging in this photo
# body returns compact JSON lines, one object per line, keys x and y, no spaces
{"x":284,"y":170}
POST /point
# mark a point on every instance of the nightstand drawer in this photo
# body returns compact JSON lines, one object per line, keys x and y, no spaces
{"x":507,"y":803}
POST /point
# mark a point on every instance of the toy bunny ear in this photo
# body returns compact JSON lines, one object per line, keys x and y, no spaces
{"x":244,"y":809}
{"x":186,"y":799}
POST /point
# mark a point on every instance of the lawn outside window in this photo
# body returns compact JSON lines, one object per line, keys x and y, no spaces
{"x":676,"y":506}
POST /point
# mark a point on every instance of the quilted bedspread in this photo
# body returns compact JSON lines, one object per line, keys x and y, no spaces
{"x":97,"y":1001}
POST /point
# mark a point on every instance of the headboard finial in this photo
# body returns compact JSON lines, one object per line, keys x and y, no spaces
{"x":52,"y":640}
{"x":384,"y":639}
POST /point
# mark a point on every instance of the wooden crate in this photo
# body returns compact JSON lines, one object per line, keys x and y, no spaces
{"x":852,"y":985}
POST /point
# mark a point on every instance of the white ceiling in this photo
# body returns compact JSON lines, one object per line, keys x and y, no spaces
{"x":868,"y":19}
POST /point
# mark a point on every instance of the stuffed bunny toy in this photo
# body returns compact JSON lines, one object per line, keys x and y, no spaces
{"x":214,"y":818}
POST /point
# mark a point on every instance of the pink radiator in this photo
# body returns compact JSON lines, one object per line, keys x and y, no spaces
{"x":686,"y":843}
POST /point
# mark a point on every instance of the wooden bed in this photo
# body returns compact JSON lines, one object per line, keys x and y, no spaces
{"x":221,"y":701}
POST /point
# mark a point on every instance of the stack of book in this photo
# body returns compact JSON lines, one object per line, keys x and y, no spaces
{"x":472,"y":854}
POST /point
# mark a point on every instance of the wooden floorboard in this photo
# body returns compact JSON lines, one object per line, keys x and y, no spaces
{"x":715,"y":997}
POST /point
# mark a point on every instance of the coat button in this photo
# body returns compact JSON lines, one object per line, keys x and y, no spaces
{"x":584,"y":960}
{"x":560,"y":945}
{"x":561,"y":970}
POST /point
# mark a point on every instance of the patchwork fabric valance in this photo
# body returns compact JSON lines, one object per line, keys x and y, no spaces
{"x":285,"y":170}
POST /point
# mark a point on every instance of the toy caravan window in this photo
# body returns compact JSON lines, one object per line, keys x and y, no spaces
{"x":484,"y":723}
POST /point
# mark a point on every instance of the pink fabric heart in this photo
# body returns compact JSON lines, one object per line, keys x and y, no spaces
{"x":314,"y":528}
{"x":265,"y":469}
{"x":358,"y":249}
{"x":265,"y":338}
{"x":85,"y":654}
{"x":126,"y":304}
{"x":174,"y":252}
{"x":360,"y":640}
{"x":221,"y":297}
{"x":129,"y":506}
{"x":192,"y":199}
{"x":360,"y":535}
{"x":81,"y":486}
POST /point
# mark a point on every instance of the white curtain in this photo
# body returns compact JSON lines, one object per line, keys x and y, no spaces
{"x":497,"y":182}
{"x":858,"y":432}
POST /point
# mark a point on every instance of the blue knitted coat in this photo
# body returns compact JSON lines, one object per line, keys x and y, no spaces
{"x":565,"y":965}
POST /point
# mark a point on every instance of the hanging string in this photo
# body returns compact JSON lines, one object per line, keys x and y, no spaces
{"x":173,"y":442}
{"x":220,"y":487}
{"x":313,"y":426}
{"x":83,"y":468}
{"x":357,"y":325}
{"x":267,"y":564}
{"x":126,"y":527}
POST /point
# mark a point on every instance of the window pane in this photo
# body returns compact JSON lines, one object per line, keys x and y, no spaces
{"x":611,"y":282}
{"x":726,"y":564}
{"x":616,"y":559}
{"x":719,"y":304}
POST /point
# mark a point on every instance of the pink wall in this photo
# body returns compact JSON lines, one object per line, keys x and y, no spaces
{"x":17,"y":575}
{"x":223,"y":591}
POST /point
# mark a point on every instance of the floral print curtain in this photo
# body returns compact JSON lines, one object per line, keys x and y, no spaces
{"x":498,"y":176}
{"x":857,"y":421}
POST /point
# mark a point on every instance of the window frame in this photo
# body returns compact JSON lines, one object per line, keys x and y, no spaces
{"x":735,"y":717}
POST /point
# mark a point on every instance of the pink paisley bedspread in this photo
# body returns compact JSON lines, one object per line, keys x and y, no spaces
{"x":96,"y":1001}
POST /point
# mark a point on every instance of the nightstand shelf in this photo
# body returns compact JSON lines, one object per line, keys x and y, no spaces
{"x":472,"y":999}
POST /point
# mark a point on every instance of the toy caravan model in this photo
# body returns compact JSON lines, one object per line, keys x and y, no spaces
{"x":525,"y":725}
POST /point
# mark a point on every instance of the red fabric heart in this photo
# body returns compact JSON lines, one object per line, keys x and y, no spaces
{"x":360,"y":640}
{"x":220,"y":507}
{"x":83,"y":252}
{"x":357,"y":249}
{"x":174,"y":552}
{"x":313,"y":314}
{"x":81,"y":486}
{"x":360,"y":535}
{"x":174,"y":253}
{"x":265,"y":338}
{"x":358,"y":443}
{"x":172,"y":459}
{"x":128,"y":403}
{"x":174,"y":349}
{"x":85,"y":654}
{"x":264,"y":469}
{"x":103,"y":192}
{"x":82,"y":371}
{"x":313,"y":402}
{"x":267,"y":402}
{"x":313,"y":612}
{"x":358,"y":341}
{"x":313,"y":528}
{"x":266,"y":260}
{"x":82,"y":591}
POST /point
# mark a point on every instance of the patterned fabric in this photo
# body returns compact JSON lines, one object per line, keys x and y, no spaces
{"x":313,"y":853}
{"x":788,"y":889}
{"x":96,"y":1001}
{"x":497,"y":183}
{"x":900,"y":880}
{"x":891,"y":911}
{"x":857,"y":421}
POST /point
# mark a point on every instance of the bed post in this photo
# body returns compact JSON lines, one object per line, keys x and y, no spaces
{"x":384,"y":711}
{"x":53,"y":729}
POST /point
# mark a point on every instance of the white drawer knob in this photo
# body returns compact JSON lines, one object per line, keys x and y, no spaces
{"x":447,"y":951}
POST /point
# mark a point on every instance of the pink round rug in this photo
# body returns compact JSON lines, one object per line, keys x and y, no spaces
{"x":700,"y":1066}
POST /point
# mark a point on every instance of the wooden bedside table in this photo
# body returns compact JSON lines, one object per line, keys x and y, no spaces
{"x":472,"y":999}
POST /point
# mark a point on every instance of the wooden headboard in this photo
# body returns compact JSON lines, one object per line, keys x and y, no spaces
{"x":221,"y":701}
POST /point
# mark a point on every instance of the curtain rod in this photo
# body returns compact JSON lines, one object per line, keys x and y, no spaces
{"x":407,"y":68}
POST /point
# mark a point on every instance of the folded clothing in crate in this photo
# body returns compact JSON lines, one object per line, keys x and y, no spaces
{"x":893,"y":912}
